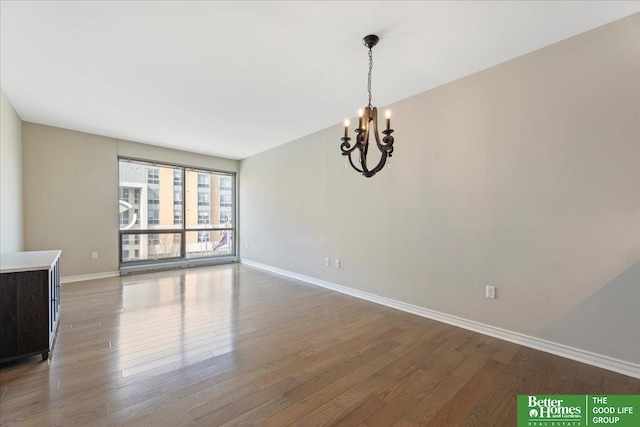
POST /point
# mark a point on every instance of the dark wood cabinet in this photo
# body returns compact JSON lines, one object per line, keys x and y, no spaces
{"x":29,"y":303}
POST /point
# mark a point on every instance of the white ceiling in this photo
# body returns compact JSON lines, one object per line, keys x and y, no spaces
{"x":235,"y":78}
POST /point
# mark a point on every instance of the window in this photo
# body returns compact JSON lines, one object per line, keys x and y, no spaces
{"x":203,"y":181}
{"x":203,"y":199}
{"x":225,"y":200}
{"x":203,"y":217}
{"x":155,"y":246}
{"x":209,"y":243}
{"x":153,"y":176}
{"x":124,"y":217}
{"x":153,"y":197}
{"x":169,"y":211}
{"x":225,"y":183}
{"x":218,"y":203}
{"x":154,"y":217}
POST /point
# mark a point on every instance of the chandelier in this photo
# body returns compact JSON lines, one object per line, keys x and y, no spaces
{"x":367,"y":117}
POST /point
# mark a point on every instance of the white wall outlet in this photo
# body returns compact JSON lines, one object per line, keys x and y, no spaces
{"x":94,"y":255}
{"x":490,"y":292}
{"x":337,"y":263}
{"x":327,"y":262}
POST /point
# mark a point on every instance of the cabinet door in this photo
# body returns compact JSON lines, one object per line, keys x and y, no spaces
{"x":8,"y":316}
{"x":33,"y":311}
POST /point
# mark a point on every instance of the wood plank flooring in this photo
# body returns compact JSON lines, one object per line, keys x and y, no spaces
{"x":232,"y":345}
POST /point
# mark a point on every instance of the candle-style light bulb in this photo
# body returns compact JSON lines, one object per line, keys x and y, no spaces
{"x":360,"y":114}
{"x":388,"y":119}
{"x":346,"y":128}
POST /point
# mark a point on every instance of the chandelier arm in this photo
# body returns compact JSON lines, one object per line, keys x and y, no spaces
{"x":387,"y":142}
{"x":375,"y":127}
{"x":381,"y":163}
{"x":345,"y":152}
{"x":364,"y":141}
{"x":363,"y":156}
{"x":385,"y":149}
{"x":346,"y":146}
{"x":353,"y":165}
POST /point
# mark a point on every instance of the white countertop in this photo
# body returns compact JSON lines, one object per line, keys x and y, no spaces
{"x":13,"y":262}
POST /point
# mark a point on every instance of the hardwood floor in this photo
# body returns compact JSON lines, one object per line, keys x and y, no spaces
{"x":232,"y":345}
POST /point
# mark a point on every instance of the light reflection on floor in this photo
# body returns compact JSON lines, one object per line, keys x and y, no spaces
{"x":176,"y":320}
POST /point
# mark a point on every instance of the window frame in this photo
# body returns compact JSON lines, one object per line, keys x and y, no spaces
{"x":184,"y":228}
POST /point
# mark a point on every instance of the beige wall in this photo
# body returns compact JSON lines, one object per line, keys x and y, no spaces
{"x":136,"y":150}
{"x":70,"y":189}
{"x":523,"y":176}
{"x":11,"y":229}
{"x":71,"y":192}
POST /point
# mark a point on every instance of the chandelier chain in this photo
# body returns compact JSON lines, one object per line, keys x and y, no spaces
{"x":369,"y":81}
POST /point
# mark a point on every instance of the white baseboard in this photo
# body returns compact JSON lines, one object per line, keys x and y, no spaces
{"x":601,"y":361}
{"x":69,"y":279}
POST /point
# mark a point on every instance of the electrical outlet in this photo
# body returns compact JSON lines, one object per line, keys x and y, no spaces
{"x":327,"y":262}
{"x":337,"y":263}
{"x":94,"y":255}
{"x":490,"y":292}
